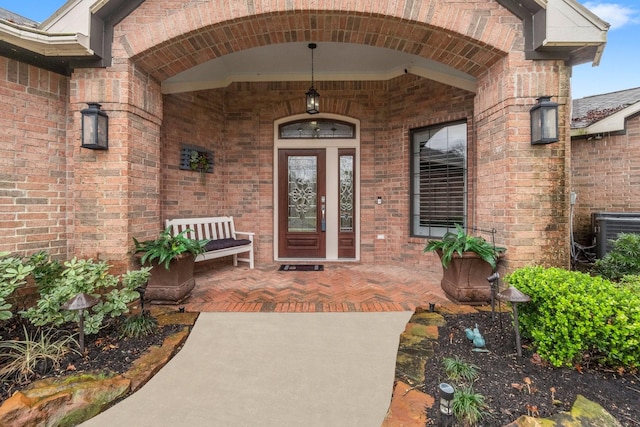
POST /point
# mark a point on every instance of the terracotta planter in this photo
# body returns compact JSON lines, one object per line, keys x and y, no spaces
{"x":464,"y":281}
{"x":174,"y":285}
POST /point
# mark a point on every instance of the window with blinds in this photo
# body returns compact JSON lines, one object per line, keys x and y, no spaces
{"x":438,"y":179}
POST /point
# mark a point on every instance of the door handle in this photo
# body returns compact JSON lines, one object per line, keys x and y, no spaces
{"x":323,"y":222}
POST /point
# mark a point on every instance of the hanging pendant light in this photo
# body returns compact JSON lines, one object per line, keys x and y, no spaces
{"x":313,"y":97}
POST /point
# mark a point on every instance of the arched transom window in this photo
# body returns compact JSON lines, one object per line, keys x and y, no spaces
{"x":317,"y":128}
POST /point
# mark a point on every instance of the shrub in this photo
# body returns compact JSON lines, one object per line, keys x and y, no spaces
{"x":622,"y":260}
{"x":572,"y":313}
{"x":13,"y":274}
{"x":45,"y":270}
{"x":85,"y":276}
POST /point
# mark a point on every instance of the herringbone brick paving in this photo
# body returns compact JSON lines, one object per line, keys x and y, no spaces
{"x":339,"y":288}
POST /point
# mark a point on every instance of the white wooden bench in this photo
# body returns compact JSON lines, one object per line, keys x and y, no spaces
{"x":222,"y":233}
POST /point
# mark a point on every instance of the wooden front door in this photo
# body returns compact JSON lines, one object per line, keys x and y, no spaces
{"x":302,"y":203}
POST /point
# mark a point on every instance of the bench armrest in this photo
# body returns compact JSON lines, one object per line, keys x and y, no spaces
{"x":246,"y":233}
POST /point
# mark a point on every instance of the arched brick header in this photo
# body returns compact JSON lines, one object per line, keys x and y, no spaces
{"x":469,"y":36}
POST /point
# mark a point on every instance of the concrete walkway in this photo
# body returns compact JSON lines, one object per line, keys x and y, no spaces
{"x":272,"y":370}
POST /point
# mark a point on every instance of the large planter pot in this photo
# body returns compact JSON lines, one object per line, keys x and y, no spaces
{"x":464,"y":281}
{"x":174,"y":285}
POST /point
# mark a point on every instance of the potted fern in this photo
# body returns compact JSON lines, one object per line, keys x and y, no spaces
{"x":467,"y":261}
{"x":172,"y":258}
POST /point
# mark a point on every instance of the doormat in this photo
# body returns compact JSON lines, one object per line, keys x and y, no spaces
{"x":301,"y":267}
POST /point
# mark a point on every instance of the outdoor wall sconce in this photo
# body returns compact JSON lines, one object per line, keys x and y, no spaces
{"x":544,"y":121}
{"x":446,"y":401}
{"x":313,"y":97}
{"x":95,"y":128}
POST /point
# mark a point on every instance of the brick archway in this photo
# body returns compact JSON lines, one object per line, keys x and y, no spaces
{"x":469,"y":37}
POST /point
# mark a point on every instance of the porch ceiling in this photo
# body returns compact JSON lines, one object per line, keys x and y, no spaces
{"x":332,"y":61}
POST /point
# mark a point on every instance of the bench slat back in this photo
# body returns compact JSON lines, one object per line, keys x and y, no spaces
{"x":212,"y":228}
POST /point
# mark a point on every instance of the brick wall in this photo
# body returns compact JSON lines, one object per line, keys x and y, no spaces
{"x":605,"y":176}
{"x":195,"y":119}
{"x":242,"y":182}
{"x":99,"y":200}
{"x":33,"y":166}
{"x":522,"y":190}
{"x":518,"y":189}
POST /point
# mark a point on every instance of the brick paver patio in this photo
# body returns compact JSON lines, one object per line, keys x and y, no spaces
{"x":339,"y":288}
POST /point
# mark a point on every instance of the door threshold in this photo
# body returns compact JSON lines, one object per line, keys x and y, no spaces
{"x":316,"y":260}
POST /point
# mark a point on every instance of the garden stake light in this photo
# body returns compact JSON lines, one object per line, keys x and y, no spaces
{"x":81,"y":302}
{"x":514,"y":296}
{"x":446,"y":401}
{"x":494,"y":280}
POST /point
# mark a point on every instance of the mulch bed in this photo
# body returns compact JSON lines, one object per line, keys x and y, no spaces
{"x":502,"y":375}
{"x":105,"y":351}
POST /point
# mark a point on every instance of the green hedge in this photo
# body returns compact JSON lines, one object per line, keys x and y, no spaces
{"x":622,"y":260}
{"x":572,"y":314}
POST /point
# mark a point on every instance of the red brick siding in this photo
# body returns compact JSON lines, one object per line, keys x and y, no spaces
{"x":522,"y":189}
{"x":197,"y":119}
{"x":127,"y":191}
{"x":605,"y":176}
{"x":33,"y":172}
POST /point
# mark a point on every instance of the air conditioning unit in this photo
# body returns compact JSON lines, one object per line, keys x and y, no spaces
{"x":608,"y":225}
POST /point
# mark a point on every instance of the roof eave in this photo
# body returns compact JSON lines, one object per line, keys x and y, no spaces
{"x":44,"y":43}
{"x":613,"y":123}
{"x":560,"y":30}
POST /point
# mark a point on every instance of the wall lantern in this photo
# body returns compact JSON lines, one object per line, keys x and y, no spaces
{"x":544,"y":121}
{"x":313,"y":97}
{"x":95,"y":128}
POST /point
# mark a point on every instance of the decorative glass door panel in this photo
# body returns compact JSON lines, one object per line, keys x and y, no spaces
{"x":302,"y":203}
{"x":302,"y":194}
{"x":346,"y":232}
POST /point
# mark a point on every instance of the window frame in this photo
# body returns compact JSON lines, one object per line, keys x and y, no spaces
{"x":417,"y":136}
{"x":321,"y":125}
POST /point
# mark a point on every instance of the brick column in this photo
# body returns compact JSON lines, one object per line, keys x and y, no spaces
{"x":115,"y":193}
{"x":522,"y":190}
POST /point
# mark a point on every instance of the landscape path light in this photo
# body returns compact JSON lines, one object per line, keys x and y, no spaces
{"x":81,"y":302}
{"x":514,"y":296}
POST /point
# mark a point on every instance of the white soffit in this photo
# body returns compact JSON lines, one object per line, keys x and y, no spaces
{"x":332,"y":62}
